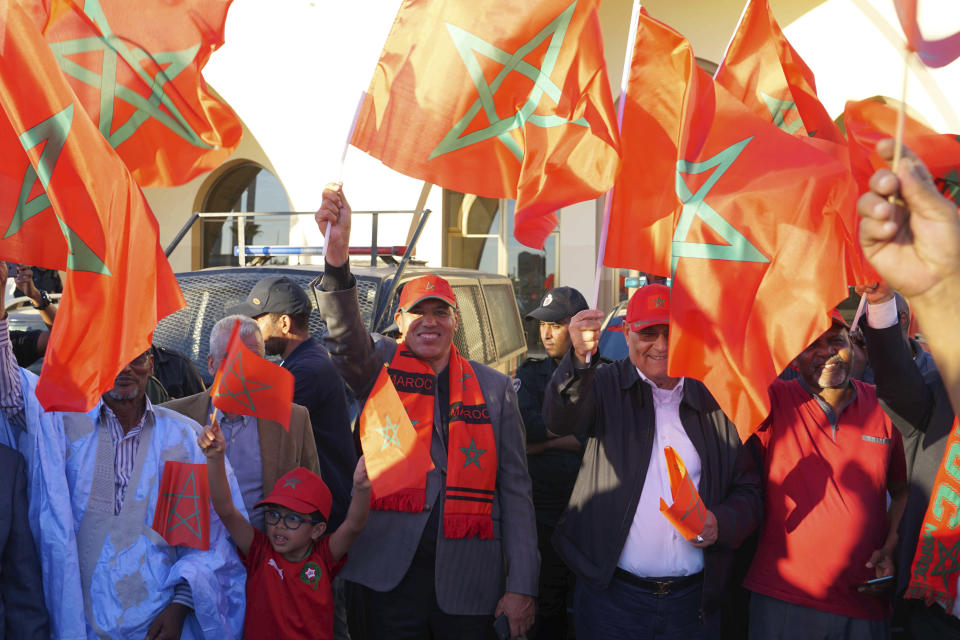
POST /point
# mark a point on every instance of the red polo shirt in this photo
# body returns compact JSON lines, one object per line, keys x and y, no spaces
{"x":825,"y":500}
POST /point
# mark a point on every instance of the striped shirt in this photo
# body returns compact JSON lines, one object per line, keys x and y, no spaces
{"x":125,"y":453}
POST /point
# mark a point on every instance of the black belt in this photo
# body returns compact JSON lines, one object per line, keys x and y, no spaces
{"x":658,"y":586}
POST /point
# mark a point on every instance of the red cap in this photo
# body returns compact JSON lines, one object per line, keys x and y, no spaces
{"x":302,"y":491}
{"x":836,"y":317}
{"x":648,"y":306}
{"x":423,"y":288}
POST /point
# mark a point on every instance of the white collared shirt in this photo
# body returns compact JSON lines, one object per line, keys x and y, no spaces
{"x":654,"y":548}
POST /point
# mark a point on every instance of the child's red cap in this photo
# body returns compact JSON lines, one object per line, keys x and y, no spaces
{"x":302,"y":491}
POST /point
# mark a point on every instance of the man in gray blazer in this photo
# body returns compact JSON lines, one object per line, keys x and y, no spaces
{"x":417,"y":581}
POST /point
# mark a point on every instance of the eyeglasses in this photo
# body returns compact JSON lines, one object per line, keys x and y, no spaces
{"x":291,"y":521}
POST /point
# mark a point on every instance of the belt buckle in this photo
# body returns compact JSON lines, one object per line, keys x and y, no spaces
{"x":662,"y":587}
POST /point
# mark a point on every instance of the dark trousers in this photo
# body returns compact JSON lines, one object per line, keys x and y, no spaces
{"x":556,"y":584}
{"x":931,"y":622}
{"x":410,"y":611}
{"x":624,"y":611}
{"x":774,"y":619}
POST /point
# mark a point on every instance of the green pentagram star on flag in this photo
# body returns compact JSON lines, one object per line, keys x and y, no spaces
{"x":509,"y":100}
{"x":240,"y":387}
{"x":140,"y":81}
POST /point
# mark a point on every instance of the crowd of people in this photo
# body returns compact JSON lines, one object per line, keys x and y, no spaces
{"x":518,"y":498}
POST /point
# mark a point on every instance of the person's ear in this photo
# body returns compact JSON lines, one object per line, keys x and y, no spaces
{"x":285,"y":324}
{"x":318,"y":530}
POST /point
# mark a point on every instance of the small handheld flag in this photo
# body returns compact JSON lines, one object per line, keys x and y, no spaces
{"x":182,"y":515}
{"x":251,"y":385}
{"x":687,"y":513}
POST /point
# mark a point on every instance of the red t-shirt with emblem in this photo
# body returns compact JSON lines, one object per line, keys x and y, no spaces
{"x":289,"y":599}
{"x":826,"y":500}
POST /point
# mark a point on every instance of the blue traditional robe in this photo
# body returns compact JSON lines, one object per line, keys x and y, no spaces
{"x":124,"y":568}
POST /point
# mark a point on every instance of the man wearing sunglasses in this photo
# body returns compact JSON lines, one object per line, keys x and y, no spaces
{"x":95,"y":478}
{"x":634,"y":570}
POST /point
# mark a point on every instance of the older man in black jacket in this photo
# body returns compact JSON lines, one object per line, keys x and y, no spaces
{"x":634,"y":570}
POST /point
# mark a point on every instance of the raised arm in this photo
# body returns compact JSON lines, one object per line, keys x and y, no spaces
{"x":569,"y":403}
{"x":350,"y":345}
{"x":47,"y":309}
{"x":916,"y":248}
{"x":213,"y":445}
{"x":899,"y":382}
{"x":347,"y":533}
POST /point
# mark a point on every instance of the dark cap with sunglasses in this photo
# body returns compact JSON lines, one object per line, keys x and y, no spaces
{"x":301,"y":490}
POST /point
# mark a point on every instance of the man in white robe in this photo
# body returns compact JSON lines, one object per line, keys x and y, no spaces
{"x":93,"y":481}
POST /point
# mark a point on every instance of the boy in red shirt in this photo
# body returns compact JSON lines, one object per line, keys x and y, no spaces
{"x":291,"y":566}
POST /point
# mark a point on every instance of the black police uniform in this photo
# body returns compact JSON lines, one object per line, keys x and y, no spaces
{"x":553,"y":474}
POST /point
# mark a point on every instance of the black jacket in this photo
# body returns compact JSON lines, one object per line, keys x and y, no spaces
{"x":919,"y":407}
{"x":554,"y":471}
{"x":613,"y":406}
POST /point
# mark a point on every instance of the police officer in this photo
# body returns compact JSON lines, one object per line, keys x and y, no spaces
{"x":553,"y":462}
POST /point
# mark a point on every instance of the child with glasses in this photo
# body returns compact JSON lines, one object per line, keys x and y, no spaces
{"x":290,"y":567}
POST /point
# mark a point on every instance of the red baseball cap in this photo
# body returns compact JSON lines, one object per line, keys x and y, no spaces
{"x":302,"y":491}
{"x":836,"y":317}
{"x":424,"y":288}
{"x":648,"y":306}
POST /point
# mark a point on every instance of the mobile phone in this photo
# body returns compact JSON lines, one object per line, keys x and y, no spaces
{"x":883,"y":580}
{"x":501,"y":626}
{"x":12,"y":268}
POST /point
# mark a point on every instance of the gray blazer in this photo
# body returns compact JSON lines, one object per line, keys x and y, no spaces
{"x":471,"y":574}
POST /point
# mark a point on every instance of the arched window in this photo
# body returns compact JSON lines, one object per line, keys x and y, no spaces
{"x":247,"y":187}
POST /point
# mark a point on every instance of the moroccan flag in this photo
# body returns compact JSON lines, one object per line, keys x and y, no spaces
{"x":762,"y":70}
{"x":687,"y":514}
{"x":509,"y":100}
{"x":392,"y":447}
{"x":67,"y":201}
{"x":644,"y":198}
{"x":182,"y":515}
{"x":869,"y":121}
{"x":754,"y":245}
{"x":250,"y":385}
{"x":933,"y":53}
{"x":136,"y":69}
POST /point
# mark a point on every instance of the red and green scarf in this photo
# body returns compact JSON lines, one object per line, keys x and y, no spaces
{"x":397,"y":449}
{"x":936,"y":562}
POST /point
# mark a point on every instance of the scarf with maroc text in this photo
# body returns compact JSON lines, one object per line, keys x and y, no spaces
{"x":933,"y":574}
{"x":397,"y":449}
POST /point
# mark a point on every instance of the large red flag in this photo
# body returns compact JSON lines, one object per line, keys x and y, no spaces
{"x":869,"y":121}
{"x":508,"y":101}
{"x":136,"y":69}
{"x":67,"y":201}
{"x":763,"y":70}
{"x":644,"y":198}
{"x":182,"y":514}
{"x":755,"y":242}
{"x":251,"y":385}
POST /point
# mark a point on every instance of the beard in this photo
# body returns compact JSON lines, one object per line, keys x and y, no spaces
{"x":113,"y":394}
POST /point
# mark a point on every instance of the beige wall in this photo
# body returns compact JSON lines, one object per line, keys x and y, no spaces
{"x":173,"y":205}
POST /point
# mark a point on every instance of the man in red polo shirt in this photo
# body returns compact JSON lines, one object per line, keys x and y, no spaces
{"x":830,"y":455}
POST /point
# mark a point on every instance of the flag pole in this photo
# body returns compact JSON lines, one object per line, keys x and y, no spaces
{"x":343,"y":161}
{"x":608,"y":201}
